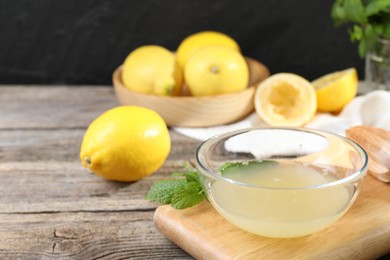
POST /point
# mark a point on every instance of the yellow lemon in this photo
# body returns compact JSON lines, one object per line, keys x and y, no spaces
{"x":214,"y":70}
{"x":125,"y":143}
{"x":154,"y":70}
{"x":285,"y":99}
{"x":336,"y":89}
{"x":201,"y":39}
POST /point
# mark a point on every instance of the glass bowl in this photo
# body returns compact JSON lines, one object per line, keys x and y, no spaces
{"x":281,"y":182}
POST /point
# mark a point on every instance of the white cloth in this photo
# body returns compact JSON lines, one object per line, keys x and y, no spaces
{"x":370,"y":109}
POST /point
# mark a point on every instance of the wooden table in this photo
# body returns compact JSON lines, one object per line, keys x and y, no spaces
{"x":50,"y":206}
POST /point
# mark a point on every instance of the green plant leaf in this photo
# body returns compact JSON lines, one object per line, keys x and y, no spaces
{"x":187,"y":196}
{"x":355,"y":11}
{"x":370,"y":19}
{"x":182,"y":191}
{"x":368,"y":40}
{"x":386,"y":26}
{"x":233,"y":166}
{"x":386,"y":10}
{"x":356,"y":33}
{"x":386,"y":31}
{"x":185,"y":188}
{"x":338,"y":13}
{"x":362,"y":48}
{"x":192,"y":176}
{"x":163,"y":191}
{"x":378,"y":28}
{"x":375,"y":6}
{"x":371,"y":36}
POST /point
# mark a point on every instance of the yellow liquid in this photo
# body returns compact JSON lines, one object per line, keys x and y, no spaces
{"x":280,"y":212}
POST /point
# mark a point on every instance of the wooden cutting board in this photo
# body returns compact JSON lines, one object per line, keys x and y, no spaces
{"x":362,"y":233}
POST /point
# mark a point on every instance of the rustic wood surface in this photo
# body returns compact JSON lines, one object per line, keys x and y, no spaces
{"x":50,"y":207}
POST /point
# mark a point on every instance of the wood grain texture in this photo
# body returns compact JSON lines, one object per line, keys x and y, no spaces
{"x":66,"y":186}
{"x":362,"y":233}
{"x":376,"y":142}
{"x":52,"y":107}
{"x":51,"y":207}
{"x":99,"y":235}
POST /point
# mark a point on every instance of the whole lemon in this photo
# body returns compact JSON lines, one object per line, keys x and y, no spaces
{"x":152,"y":69}
{"x":214,"y":70}
{"x":201,"y":39}
{"x":125,"y":143}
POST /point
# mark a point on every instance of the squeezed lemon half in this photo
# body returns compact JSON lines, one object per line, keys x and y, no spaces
{"x":285,"y":99}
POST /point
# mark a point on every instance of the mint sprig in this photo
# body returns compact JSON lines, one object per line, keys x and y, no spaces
{"x":182,"y":191}
{"x":233,"y":166}
{"x":370,"y":19}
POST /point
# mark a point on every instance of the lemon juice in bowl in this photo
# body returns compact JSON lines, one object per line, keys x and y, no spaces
{"x":284,"y":208}
{"x":278,"y":189}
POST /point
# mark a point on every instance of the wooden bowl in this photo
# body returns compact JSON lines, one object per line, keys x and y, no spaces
{"x":190,"y":111}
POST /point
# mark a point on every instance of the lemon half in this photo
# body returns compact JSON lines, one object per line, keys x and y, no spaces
{"x":285,"y":99}
{"x":336,"y":89}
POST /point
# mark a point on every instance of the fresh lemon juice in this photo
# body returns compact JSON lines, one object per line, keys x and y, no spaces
{"x":279,"y":200}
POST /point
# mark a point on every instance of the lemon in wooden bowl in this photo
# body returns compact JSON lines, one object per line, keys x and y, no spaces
{"x":192,"y":111}
{"x":152,"y":69}
{"x":215,"y":70}
{"x":192,"y":43}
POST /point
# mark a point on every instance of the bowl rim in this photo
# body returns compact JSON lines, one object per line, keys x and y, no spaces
{"x":359,"y":174}
{"x":117,"y":79}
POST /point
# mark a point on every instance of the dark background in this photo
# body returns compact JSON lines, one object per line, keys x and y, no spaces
{"x":83,"y":41}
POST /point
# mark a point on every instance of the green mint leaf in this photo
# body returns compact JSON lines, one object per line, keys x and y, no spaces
{"x":187,"y":196}
{"x":386,"y":31}
{"x":182,"y":191}
{"x":228,"y":165}
{"x":233,"y":166}
{"x":386,"y":10}
{"x":192,"y":177}
{"x":177,"y":174}
{"x":370,"y":20}
{"x":191,"y":174}
{"x":362,"y":49}
{"x":368,"y":40}
{"x":355,"y":11}
{"x":356,"y":33}
{"x":338,"y":12}
{"x":163,"y":191}
{"x":375,"y":6}
{"x":371,"y":37}
{"x":379,"y":28}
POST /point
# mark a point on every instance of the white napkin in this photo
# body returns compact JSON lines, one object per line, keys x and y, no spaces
{"x":370,"y":109}
{"x":291,"y":141}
